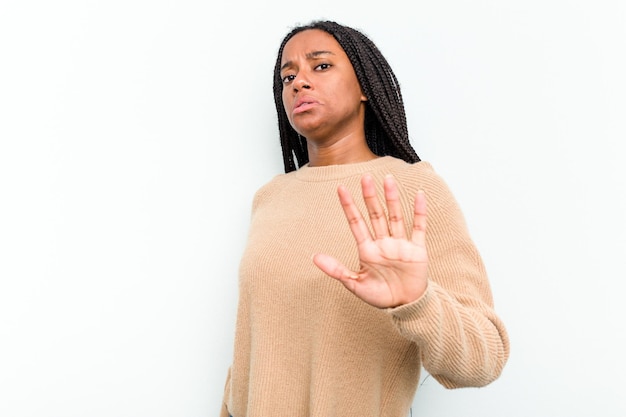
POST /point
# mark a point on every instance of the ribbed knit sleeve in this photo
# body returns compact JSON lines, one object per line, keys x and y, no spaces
{"x":461,"y":339}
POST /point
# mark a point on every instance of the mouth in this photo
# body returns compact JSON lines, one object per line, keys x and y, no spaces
{"x":303,"y":105}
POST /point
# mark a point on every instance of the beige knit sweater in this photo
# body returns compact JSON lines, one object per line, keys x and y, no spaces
{"x":306,"y":346}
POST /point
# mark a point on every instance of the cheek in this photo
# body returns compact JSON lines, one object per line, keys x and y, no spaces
{"x":286,"y":105}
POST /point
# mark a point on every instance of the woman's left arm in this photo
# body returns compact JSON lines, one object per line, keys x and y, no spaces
{"x":439,"y":298}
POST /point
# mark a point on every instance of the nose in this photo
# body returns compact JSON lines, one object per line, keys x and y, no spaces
{"x":301,"y":83}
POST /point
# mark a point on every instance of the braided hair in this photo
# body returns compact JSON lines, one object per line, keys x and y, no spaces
{"x":386,"y":130}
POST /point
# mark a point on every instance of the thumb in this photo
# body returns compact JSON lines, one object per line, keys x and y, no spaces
{"x":333,"y":268}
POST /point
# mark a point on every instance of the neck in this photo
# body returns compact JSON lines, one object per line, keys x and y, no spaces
{"x":345,"y":151}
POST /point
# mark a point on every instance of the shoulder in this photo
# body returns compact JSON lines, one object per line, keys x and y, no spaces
{"x":271,"y":188}
{"x":419,"y":176}
{"x":412,"y":177}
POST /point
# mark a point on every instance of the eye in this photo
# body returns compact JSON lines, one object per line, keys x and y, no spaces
{"x":288,"y":78}
{"x":322,"y":67}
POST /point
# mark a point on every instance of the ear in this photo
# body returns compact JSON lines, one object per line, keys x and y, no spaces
{"x":363,"y":98}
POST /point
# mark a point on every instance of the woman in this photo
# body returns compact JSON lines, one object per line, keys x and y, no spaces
{"x":402,"y":296}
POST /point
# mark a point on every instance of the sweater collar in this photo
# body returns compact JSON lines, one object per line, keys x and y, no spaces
{"x":333,"y":172}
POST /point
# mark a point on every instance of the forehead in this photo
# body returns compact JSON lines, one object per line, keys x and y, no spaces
{"x":309,"y":41}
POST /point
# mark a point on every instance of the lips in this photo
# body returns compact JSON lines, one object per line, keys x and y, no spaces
{"x":303,"y":104}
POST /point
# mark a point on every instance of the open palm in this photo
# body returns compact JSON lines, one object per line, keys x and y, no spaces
{"x":393,"y":267}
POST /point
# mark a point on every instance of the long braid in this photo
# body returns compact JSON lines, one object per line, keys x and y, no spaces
{"x":289,"y":138}
{"x":386,"y":128}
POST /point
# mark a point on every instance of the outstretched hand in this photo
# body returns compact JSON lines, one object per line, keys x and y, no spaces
{"x":393,"y":267}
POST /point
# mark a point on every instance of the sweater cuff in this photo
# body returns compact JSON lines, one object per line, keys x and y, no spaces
{"x":414,"y":309}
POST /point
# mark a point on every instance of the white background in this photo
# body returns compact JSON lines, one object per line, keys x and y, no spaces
{"x":134,"y":133}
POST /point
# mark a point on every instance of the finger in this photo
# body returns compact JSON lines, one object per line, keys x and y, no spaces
{"x":333,"y":268}
{"x":378,"y":218}
{"x":419,"y":219}
{"x":394,"y":207}
{"x":357,"y":225}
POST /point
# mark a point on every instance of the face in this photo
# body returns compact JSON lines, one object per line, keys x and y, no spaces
{"x":321,"y":94}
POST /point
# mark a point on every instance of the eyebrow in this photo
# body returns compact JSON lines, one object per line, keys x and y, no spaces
{"x":310,"y":55}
